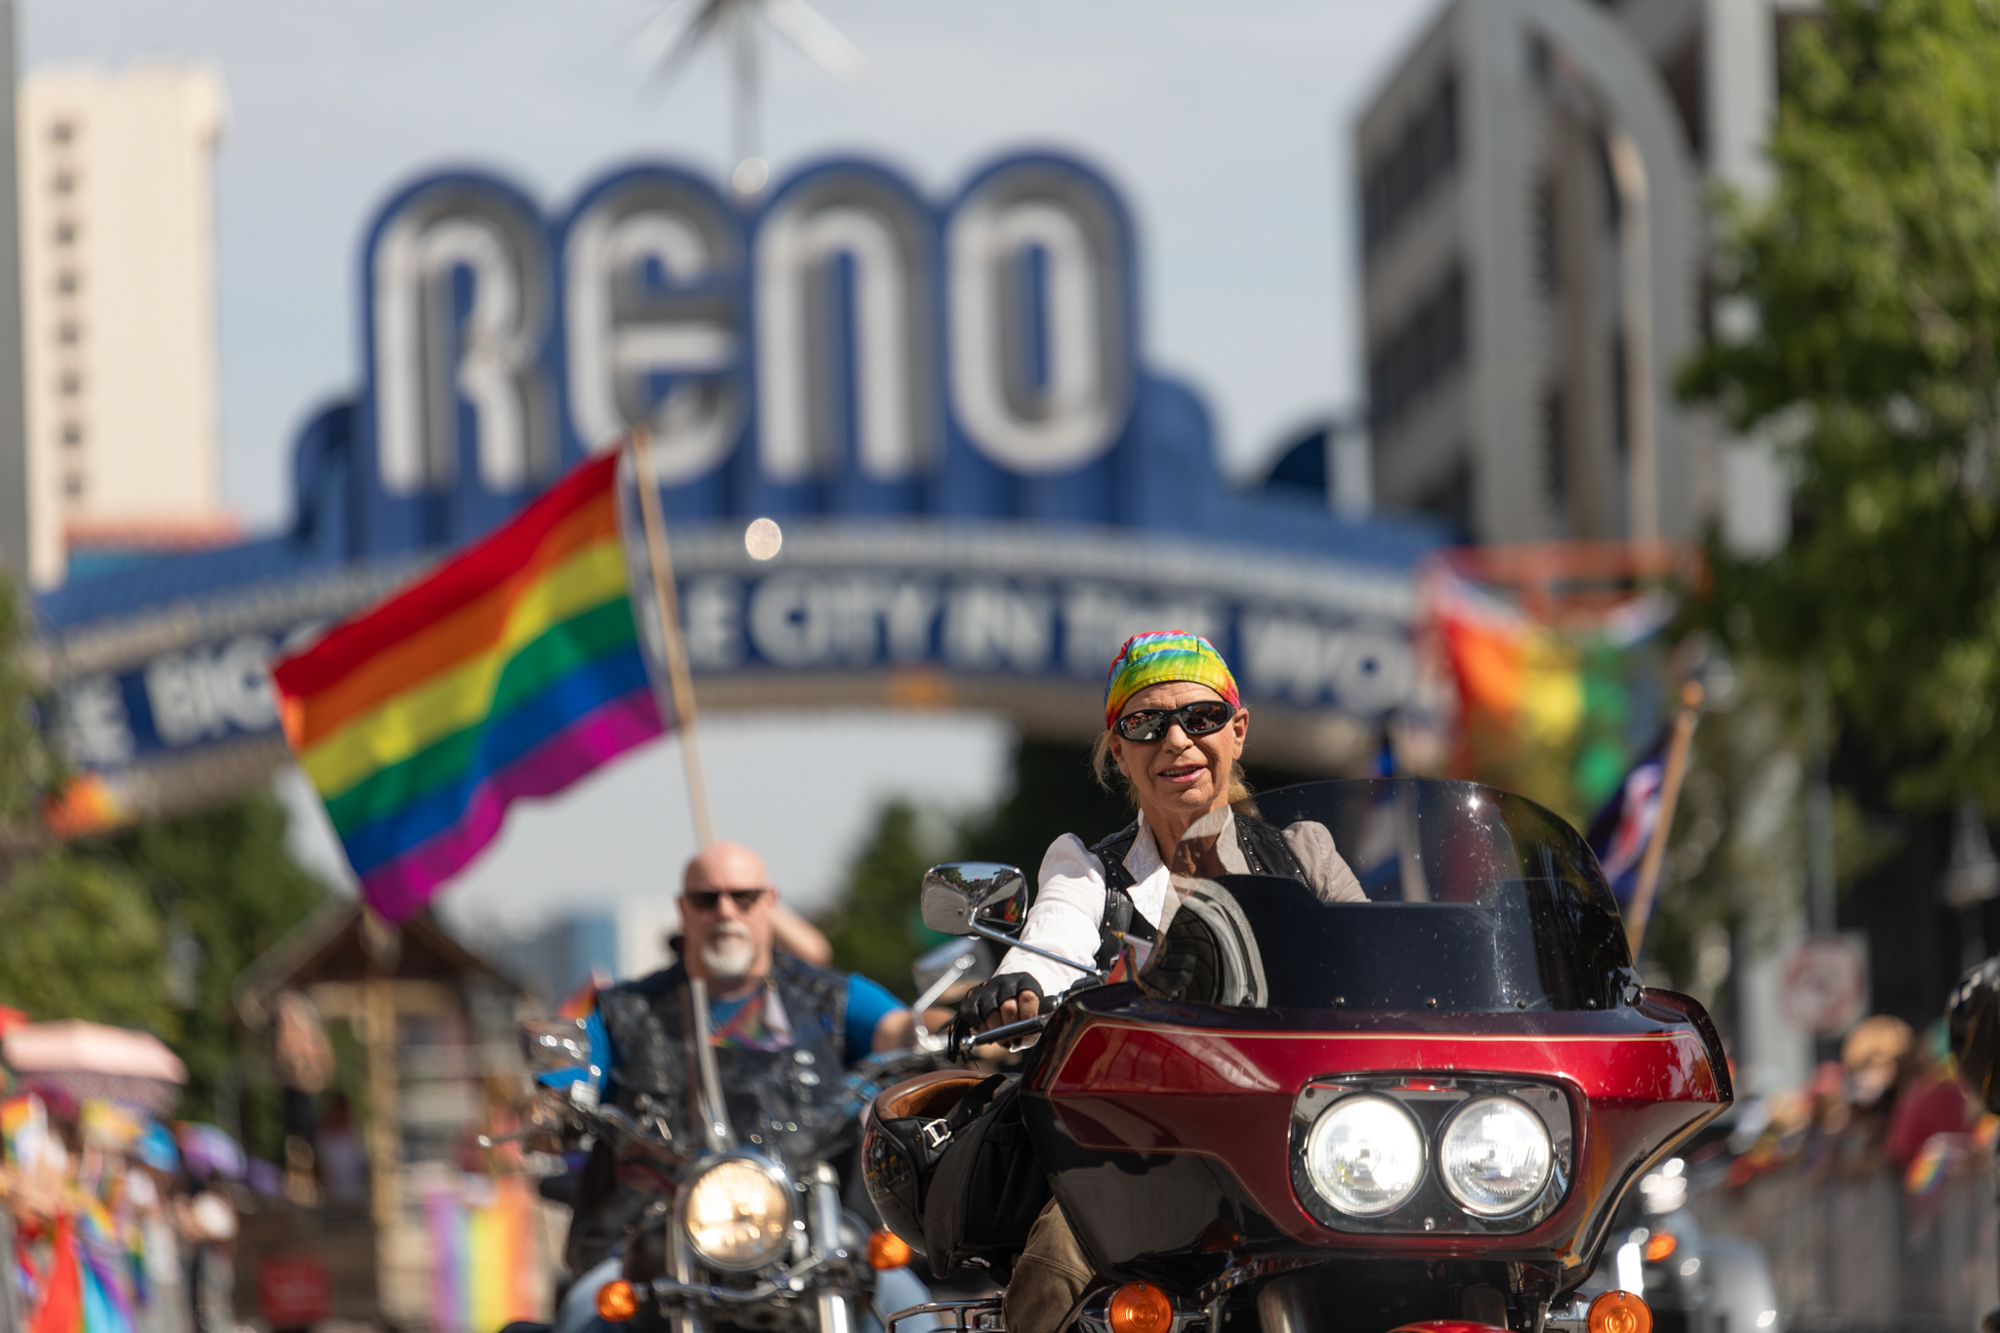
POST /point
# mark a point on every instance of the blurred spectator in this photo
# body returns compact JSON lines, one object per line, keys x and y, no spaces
{"x":343,"y":1163}
{"x":1929,"y":1100}
{"x":1877,"y":1055}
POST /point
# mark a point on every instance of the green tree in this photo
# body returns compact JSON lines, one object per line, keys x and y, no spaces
{"x":86,"y":929}
{"x":877,"y":930}
{"x":1053,"y":792}
{"x":226,"y":880}
{"x":80,"y":939}
{"x":1872,"y":280}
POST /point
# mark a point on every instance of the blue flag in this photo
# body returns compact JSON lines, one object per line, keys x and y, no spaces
{"x":1624,"y":825}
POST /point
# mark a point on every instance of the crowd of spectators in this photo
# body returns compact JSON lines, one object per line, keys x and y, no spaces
{"x":1892,"y":1101}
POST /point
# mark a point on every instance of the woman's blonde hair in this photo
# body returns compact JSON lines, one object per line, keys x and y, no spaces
{"x":1103,"y":767}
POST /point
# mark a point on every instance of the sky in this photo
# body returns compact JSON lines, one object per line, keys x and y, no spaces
{"x":1225,"y":127}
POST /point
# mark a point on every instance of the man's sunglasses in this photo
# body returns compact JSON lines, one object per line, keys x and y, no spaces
{"x":1197,"y":719}
{"x":707,"y":900}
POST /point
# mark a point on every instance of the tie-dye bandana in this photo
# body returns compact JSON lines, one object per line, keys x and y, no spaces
{"x":1160,"y":656}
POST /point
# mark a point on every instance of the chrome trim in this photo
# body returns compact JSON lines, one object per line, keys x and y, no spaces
{"x":981,"y":1316}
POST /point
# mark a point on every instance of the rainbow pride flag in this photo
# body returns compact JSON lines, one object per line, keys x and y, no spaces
{"x":511,"y":671}
{"x":481,"y":1258}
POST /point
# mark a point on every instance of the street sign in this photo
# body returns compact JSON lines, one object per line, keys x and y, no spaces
{"x":1823,"y":983}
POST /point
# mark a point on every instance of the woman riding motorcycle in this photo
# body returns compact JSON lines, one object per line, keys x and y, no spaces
{"x":1174,"y":729}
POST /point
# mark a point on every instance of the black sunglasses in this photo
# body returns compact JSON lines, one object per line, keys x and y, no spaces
{"x":1197,"y":719}
{"x":707,"y":900}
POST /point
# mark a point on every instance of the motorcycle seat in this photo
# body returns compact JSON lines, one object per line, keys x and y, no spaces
{"x":929,"y":1096}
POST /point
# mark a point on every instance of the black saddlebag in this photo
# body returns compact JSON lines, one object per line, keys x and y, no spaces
{"x":988,"y":1186}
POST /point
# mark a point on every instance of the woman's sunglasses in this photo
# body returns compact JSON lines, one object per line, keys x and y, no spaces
{"x":707,"y":900}
{"x":1197,"y":719}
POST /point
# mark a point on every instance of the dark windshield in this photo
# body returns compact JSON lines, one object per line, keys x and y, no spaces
{"x":1462,"y":898}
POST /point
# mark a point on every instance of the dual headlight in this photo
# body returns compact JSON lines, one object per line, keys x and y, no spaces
{"x":738,"y":1215}
{"x":1366,"y":1155}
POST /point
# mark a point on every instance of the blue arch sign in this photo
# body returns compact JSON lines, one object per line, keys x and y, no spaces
{"x":944,"y":402}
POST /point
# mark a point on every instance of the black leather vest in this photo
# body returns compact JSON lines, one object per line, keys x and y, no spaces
{"x":781,"y":1102}
{"x":1264,"y":850}
{"x":773,"y":1097}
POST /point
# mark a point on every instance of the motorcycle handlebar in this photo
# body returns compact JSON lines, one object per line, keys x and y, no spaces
{"x":963,"y":1040}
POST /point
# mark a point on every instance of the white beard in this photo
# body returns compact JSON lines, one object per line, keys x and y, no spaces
{"x":728,"y":954}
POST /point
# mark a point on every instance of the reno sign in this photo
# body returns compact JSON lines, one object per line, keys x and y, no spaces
{"x":943,"y":401}
{"x":845,"y":346}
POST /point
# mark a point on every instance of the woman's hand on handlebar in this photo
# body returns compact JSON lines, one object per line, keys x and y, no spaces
{"x":1007,"y":998}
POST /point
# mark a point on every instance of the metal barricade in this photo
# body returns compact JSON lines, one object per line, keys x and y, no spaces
{"x":1865,"y":1254}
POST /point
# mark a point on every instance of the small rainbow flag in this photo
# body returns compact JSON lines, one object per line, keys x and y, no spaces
{"x":1506,"y":664}
{"x":511,"y":671}
{"x":482,"y":1256}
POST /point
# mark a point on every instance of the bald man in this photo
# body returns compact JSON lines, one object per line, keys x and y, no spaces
{"x":771,"y":1018}
{"x":731,"y":917}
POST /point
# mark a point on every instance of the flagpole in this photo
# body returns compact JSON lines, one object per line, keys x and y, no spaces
{"x":1663,"y":822}
{"x":666,"y":599}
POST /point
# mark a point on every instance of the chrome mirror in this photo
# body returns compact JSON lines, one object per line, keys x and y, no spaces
{"x":552,"y":1044}
{"x":974,"y":898}
{"x":988,"y":900}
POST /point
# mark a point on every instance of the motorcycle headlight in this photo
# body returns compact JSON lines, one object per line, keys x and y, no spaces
{"x":1495,"y":1156}
{"x":738,"y":1217}
{"x":1365,"y":1155}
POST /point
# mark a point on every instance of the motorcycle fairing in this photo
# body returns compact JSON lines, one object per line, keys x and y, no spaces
{"x":1188,"y":1109}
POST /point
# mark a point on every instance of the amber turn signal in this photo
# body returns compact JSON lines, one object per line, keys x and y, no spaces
{"x":1141,"y":1307}
{"x":1660,"y":1245}
{"x":1620,"y":1312}
{"x":886,"y":1249}
{"x":617,"y":1302}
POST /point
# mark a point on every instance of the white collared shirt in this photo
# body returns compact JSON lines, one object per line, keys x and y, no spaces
{"x":1068,"y":914}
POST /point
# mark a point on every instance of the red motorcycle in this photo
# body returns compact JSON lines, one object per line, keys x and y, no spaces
{"x":1416,"y":1112}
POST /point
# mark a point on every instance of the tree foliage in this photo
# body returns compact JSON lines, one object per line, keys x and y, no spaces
{"x":225,"y":879}
{"x":145,"y":928}
{"x":80,"y":939}
{"x":1872,"y":280}
{"x":1053,"y":793}
{"x":877,"y":931}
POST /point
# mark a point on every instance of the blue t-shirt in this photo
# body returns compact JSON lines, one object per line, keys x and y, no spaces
{"x":867,"y":1005}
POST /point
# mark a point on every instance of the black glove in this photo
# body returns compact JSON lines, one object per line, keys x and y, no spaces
{"x":983,"y":999}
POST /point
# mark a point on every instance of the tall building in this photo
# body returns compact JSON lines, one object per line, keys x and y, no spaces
{"x":1533,"y":179}
{"x":118,"y":307}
